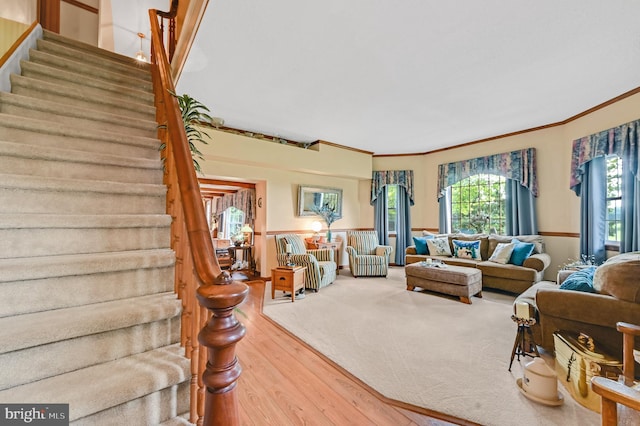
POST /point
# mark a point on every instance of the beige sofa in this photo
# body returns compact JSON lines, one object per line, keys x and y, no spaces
{"x":594,"y":314}
{"x":507,"y":277}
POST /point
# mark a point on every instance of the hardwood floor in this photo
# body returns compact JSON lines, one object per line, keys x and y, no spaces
{"x":285,"y":382}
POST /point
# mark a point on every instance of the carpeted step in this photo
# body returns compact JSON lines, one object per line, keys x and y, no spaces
{"x":122,"y":65}
{"x":35,"y":284}
{"x":24,"y":106}
{"x":52,"y":235}
{"x":66,"y":163}
{"x":74,"y":80}
{"x":28,"y":194}
{"x":92,"y":390}
{"x":40,"y":133}
{"x":94,"y":71}
{"x":182,"y":420}
{"x":79,"y":97}
{"x":83,"y":336}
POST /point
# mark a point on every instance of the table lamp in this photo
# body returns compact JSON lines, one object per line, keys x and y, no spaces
{"x":248,"y":234}
{"x":316,"y":227}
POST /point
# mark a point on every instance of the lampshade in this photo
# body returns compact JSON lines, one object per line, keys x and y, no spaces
{"x":316,"y":226}
{"x":246,"y":228}
{"x":247,"y":233}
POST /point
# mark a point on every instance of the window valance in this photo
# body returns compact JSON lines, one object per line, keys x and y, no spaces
{"x":244,"y":199}
{"x":517,"y":165}
{"x":391,"y":177}
{"x":621,"y":141}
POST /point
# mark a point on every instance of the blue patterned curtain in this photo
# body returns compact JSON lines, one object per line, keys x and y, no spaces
{"x":517,"y":165}
{"x":623,"y":141}
{"x":402,"y":178}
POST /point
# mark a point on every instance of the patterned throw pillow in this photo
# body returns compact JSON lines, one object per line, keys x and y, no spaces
{"x":466,"y":249}
{"x":439,"y":246}
{"x":502,"y":253}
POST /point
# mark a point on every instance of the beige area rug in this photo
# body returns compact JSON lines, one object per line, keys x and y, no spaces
{"x":423,"y":349}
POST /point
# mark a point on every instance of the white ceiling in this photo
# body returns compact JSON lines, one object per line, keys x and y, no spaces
{"x":409,"y":76}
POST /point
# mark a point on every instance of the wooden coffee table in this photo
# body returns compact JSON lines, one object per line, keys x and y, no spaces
{"x":287,"y":279}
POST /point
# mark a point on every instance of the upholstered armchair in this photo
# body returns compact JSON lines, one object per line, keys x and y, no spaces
{"x":321,"y":267}
{"x":367,"y":258}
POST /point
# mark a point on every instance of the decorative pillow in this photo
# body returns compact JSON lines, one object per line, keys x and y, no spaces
{"x":520,"y":252}
{"x":466,"y":249}
{"x":421,"y":244}
{"x":581,"y":280}
{"x":502,"y":253}
{"x":439,"y":246}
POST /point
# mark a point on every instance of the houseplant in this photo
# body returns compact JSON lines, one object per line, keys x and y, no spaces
{"x":328,"y":213}
{"x":193,"y":113}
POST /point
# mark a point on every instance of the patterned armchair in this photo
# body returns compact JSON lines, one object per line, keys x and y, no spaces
{"x":321,"y":268}
{"x":367,"y":258}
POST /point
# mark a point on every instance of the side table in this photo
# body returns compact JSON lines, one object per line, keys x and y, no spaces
{"x":287,"y":279}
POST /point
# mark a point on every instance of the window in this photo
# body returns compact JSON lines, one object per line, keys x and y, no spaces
{"x":392,"y":207}
{"x":478,"y":204}
{"x":232,"y":221}
{"x":613,"y":217}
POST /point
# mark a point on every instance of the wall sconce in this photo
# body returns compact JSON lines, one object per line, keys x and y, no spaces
{"x":140,"y":56}
{"x":247,"y":232}
{"x":316,"y":227}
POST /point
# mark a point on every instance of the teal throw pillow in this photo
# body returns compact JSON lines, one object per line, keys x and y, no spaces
{"x":466,"y":249}
{"x":520,"y":252}
{"x":421,"y":244}
{"x":581,"y":280}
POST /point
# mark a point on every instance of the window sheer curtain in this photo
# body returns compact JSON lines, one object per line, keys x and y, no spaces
{"x":404,"y":180}
{"x":518,"y":167}
{"x":624,"y":142}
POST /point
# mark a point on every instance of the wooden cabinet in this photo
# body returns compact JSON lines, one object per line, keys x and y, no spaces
{"x":336,"y":246}
{"x":287,"y":279}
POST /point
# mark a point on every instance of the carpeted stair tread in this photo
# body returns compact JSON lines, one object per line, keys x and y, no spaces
{"x":36,"y":56}
{"x":81,"y":97}
{"x":49,"y":111}
{"x":33,"y":268}
{"x":77,"y":156}
{"x":100,"y":387}
{"x":128,"y":66}
{"x":178,"y":421}
{"x":29,"y":330}
{"x":52,"y":235}
{"x":71,"y":79}
{"x":40,"y":132}
{"x":79,"y":185}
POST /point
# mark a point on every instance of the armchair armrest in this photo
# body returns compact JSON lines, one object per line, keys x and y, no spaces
{"x":538,"y":261}
{"x":383,"y":250}
{"x":351,"y":251}
{"x":411,"y":250}
{"x":614,"y":392}
{"x":322,"y":255}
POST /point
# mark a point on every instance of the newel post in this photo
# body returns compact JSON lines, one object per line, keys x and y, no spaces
{"x":220,"y":336}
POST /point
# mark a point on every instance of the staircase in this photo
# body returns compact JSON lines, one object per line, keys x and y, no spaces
{"x":88,"y":315}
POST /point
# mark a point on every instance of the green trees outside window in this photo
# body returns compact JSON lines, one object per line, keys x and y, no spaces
{"x":478,"y":204}
{"x":392,"y":207}
{"x":613,"y":217}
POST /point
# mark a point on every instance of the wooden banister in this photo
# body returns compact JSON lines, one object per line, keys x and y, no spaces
{"x":208,"y":294}
{"x":170,"y":16}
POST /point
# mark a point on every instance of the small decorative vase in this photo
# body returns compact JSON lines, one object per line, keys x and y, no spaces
{"x":328,"y":235}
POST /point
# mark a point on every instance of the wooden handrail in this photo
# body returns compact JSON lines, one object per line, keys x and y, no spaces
{"x":211,"y":322}
{"x":171,"y":17}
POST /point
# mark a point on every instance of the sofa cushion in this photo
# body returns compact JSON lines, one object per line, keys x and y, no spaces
{"x":421,"y":244}
{"x":502,"y":253}
{"x":466,"y":249}
{"x":507,"y":271}
{"x":439,"y":246}
{"x":537,"y":240}
{"x":521,"y":251}
{"x":581,"y":280}
{"x":618,"y":277}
